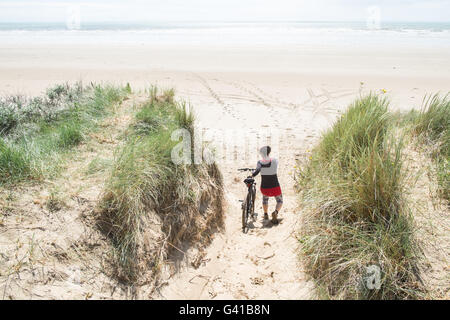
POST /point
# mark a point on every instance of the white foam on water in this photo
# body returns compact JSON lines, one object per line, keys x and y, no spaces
{"x":233,"y":34}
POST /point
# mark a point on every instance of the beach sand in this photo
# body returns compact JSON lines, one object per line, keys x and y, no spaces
{"x":404,"y":71}
{"x":297,"y":91}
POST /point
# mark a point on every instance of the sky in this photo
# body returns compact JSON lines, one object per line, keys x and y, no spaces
{"x":223,"y":10}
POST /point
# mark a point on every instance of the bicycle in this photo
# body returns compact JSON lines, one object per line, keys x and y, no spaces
{"x":248,"y":205}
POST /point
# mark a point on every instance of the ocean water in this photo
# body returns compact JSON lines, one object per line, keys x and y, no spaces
{"x":237,"y":33}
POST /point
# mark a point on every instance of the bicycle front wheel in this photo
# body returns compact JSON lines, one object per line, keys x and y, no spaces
{"x":253,"y":200}
{"x":245,"y":212}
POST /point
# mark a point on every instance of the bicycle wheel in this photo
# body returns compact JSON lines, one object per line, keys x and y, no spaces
{"x":245,"y":213}
{"x":253,"y":202}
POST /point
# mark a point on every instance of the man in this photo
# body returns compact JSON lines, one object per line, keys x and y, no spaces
{"x":270,"y":187}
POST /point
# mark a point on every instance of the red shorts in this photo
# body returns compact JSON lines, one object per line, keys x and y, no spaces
{"x":271,"y":192}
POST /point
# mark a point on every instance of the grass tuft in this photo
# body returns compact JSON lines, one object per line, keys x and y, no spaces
{"x":151,"y":205}
{"x":70,"y":135}
{"x":14,"y":163}
{"x":36,"y":132}
{"x":432,"y":126}
{"x":356,"y":216}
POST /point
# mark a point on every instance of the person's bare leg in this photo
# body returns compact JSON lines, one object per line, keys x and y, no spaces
{"x":277,"y":209}
{"x":279,"y":206}
{"x":266,"y":207}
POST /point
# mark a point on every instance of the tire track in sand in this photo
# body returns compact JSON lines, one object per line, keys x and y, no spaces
{"x":259,"y":98}
{"x":227,"y":108}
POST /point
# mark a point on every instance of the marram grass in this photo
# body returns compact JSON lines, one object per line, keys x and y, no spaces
{"x":355,"y":215}
{"x":432,"y":126}
{"x":150,"y":205}
{"x":36,"y":132}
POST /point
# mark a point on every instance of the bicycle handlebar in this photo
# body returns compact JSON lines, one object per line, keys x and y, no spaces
{"x":246,"y":169}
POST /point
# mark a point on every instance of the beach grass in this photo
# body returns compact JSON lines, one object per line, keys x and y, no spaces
{"x":356,"y":219}
{"x":36,"y":133}
{"x":432,"y":126}
{"x":151,"y":205}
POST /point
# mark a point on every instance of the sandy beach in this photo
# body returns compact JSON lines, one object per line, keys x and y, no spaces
{"x":407,"y":73}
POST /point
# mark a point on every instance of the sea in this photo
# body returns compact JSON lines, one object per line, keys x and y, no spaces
{"x":352,"y":34}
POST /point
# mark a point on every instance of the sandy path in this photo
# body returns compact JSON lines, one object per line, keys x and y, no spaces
{"x":264,"y":263}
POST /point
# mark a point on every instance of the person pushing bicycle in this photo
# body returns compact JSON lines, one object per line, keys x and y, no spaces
{"x":270,"y":186}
